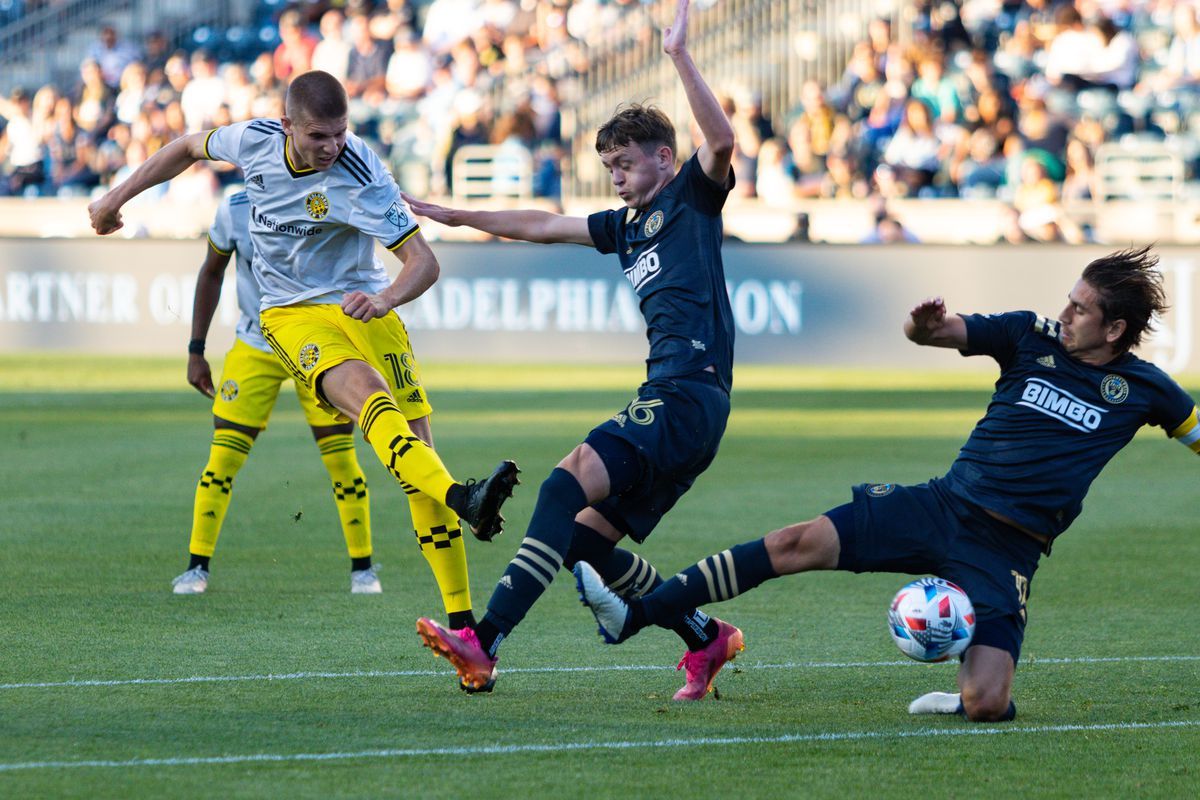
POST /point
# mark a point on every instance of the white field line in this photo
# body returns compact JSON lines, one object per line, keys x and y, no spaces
{"x":421,"y":673}
{"x":565,"y":747}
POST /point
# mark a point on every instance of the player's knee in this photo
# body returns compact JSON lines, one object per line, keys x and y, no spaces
{"x":987,"y":704}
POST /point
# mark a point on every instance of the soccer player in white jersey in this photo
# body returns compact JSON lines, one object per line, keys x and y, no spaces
{"x":319,"y":197}
{"x":242,"y":404}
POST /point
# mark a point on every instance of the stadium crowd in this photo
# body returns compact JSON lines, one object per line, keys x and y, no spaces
{"x":985,"y":99}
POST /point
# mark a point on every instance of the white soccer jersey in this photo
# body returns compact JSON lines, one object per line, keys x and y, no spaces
{"x":230,"y":233}
{"x":313,"y":231}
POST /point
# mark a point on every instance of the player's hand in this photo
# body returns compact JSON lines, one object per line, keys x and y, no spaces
{"x":105,"y":219}
{"x":364,"y":307}
{"x":446,"y":216}
{"x":199,"y":375}
{"x":928,"y":315}
{"x":675,"y":37}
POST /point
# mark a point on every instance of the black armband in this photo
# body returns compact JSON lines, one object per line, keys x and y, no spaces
{"x":196,"y":347}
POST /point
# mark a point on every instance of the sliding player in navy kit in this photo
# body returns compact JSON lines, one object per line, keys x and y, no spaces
{"x":633,"y":468}
{"x":1069,"y":397}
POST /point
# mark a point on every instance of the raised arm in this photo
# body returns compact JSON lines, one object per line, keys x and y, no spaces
{"x":208,"y":294}
{"x":420,"y":271}
{"x":716,"y":152}
{"x":529,"y":225}
{"x":168,"y":162}
{"x":929,"y":324}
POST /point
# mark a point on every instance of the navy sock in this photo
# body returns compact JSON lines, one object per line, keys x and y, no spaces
{"x":198,"y":561}
{"x":714,"y":579}
{"x":537,"y":561}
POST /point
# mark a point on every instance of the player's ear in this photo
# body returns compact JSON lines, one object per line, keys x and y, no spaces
{"x":666,"y":158}
{"x":1116,"y":329}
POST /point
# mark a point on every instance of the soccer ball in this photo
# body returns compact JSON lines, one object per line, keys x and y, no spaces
{"x":931,"y":620}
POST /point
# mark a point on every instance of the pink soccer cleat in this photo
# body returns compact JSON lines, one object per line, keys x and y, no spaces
{"x":703,"y":665}
{"x":476,"y":670}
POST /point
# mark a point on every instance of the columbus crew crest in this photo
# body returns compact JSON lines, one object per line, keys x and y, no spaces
{"x":310,"y":354}
{"x":229,"y":391}
{"x":317,"y":205}
{"x":653,"y":223}
{"x":1114,"y":389}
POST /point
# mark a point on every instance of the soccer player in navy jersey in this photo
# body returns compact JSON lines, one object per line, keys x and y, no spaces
{"x":631,"y":469}
{"x":1069,"y":397}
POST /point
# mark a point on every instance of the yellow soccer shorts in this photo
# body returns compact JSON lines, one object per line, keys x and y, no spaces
{"x":311,"y":339}
{"x":249,"y":386}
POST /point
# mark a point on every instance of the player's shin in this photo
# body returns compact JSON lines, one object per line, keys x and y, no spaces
{"x":440,"y":538}
{"x":538,"y":559}
{"x":350,"y":495}
{"x":413,"y":463}
{"x":714,"y":579}
{"x":229,"y":451}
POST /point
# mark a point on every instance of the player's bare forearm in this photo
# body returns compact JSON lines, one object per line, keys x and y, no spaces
{"x":168,"y":162}
{"x":420,"y":271}
{"x":929,"y":324}
{"x":530,"y":225}
{"x":717,"y":151}
{"x":208,"y":292}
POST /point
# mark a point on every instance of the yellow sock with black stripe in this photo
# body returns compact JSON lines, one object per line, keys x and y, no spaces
{"x":215,"y":489}
{"x":349,"y":491}
{"x":414,"y":463}
{"x":441,"y":541}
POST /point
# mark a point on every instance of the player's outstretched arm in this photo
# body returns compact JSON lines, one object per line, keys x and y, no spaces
{"x":929,"y":324}
{"x":529,"y":225}
{"x":168,"y":162}
{"x":420,"y":271}
{"x":204,"y":305}
{"x":716,"y":152}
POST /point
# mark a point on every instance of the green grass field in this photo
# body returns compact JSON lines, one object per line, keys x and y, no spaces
{"x":279,"y":683}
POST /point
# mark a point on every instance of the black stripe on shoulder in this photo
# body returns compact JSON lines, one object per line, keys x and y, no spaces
{"x":358,"y":160}
{"x":356,"y":171}
{"x":260,"y":128}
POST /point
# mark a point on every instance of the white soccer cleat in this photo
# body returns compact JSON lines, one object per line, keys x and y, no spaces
{"x":194,"y":581}
{"x":365,"y":581}
{"x":611,"y":612}
{"x":936,"y":703}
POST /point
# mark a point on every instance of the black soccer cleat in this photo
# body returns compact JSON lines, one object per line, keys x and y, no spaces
{"x":481,"y":506}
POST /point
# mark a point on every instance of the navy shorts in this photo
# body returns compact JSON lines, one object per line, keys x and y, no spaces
{"x":674,"y":427}
{"x":924,"y":529}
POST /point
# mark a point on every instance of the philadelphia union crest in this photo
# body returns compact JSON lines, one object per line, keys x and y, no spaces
{"x":229,"y":391}
{"x":1114,"y":389}
{"x":880,"y":489}
{"x":317,"y":205}
{"x":653,"y":223}
{"x":310,"y":354}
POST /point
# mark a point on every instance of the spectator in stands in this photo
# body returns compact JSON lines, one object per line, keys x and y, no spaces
{"x":332,"y":53}
{"x":112,"y":55}
{"x":410,"y":69}
{"x":1035,"y":189}
{"x":1073,"y":52}
{"x":109,"y":156}
{"x":842,"y":180}
{"x":995,"y":112}
{"x":240,"y":93}
{"x":470,"y":127}
{"x":817,"y":114}
{"x":156,"y":52}
{"x":267,"y":85}
{"x":802,"y":167}
{"x":1182,"y":68}
{"x":978,"y":78}
{"x":204,"y":94}
{"x":294,"y":53}
{"x":177,"y":74}
{"x":512,"y":163}
{"x":861,"y":83}
{"x":133,"y":93}
{"x":1039,"y":130}
{"x":195,"y":186}
{"x":978,"y":168}
{"x":937,"y":90}
{"x":914,"y":152}
{"x":1116,"y":64}
{"x":21,"y":146}
{"x":773,"y":183}
{"x":448,"y":22}
{"x":95,"y":101}
{"x":1018,"y":53}
{"x":70,"y":154}
{"x":366,"y":71}
{"x":1080,"y":181}
{"x":888,"y":230}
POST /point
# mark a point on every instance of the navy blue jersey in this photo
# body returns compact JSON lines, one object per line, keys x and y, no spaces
{"x":671,"y":254}
{"x":1054,"y":422}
